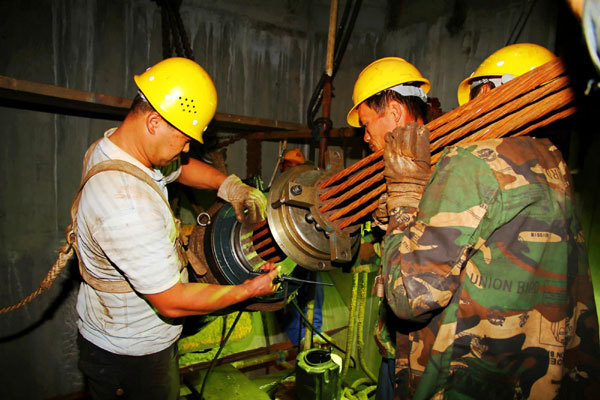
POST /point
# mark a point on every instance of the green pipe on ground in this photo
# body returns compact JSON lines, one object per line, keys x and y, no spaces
{"x":251,"y":362}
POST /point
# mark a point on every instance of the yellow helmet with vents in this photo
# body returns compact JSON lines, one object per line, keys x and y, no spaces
{"x":182,"y":92}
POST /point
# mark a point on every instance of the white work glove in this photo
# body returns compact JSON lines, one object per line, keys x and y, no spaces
{"x":243,"y":197}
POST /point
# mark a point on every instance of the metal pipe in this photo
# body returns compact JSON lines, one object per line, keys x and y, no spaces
{"x":333,"y":11}
{"x":327,"y":86}
{"x":267,"y":358}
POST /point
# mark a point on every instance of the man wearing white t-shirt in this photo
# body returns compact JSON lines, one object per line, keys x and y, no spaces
{"x":127,"y":238}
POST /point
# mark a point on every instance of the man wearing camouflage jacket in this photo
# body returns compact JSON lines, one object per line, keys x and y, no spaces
{"x":491,"y":272}
{"x":484,"y":267}
{"x":389,"y":92}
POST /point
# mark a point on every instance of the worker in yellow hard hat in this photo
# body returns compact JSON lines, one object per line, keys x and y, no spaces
{"x":291,"y":158}
{"x":131,"y":259}
{"x":389,"y":92}
{"x":502,"y":66}
{"x":464,"y":265}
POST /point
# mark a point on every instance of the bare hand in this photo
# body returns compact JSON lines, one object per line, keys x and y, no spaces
{"x":263,"y":284}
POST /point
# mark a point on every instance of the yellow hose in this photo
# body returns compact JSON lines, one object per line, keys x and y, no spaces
{"x":351,"y":327}
{"x":364,"y":276}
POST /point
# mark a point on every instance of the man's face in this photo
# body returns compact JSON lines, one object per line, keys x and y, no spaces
{"x":377,"y":125}
{"x":171,"y":143}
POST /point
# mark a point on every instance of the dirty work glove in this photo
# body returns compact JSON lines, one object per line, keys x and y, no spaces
{"x":380,"y":215}
{"x":243,"y":197}
{"x":407,"y":165}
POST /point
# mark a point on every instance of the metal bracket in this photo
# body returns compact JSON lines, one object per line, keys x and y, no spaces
{"x":334,"y":161}
{"x":299,"y":195}
{"x":341,"y":246}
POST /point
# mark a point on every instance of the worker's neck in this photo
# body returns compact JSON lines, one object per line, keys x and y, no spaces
{"x":129,"y":137}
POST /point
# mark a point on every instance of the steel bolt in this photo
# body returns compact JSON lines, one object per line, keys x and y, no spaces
{"x":321,"y":265}
{"x":296,"y":190}
{"x":309,"y":218}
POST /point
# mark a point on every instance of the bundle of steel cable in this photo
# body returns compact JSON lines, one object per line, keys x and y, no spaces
{"x":528,"y":102}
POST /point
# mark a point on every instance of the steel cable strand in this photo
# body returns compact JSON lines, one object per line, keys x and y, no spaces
{"x":353,"y":168}
{"x":352,"y":192}
{"x":504,"y":110}
{"x":353,"y":180}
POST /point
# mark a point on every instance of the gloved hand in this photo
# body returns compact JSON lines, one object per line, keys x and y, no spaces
{"x":407,"y":160}
{"x":380,"y":215}
{"x":243,"y":197}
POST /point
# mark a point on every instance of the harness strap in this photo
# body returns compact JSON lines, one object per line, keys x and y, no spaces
{"x":121,"y":286}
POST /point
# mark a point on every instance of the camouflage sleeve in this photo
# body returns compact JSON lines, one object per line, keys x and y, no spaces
{"x":422,"y":260}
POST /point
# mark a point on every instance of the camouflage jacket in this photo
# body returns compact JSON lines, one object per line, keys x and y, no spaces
{"x":490,"y":282}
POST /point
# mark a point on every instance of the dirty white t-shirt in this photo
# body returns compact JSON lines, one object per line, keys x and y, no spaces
{"x":124,"y":224}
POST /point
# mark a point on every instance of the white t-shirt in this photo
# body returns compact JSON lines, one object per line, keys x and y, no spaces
{"x":123,"y":223}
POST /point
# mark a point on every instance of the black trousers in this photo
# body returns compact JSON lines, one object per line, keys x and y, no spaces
{"x":385,"y":381}
{"x":113,"y":376}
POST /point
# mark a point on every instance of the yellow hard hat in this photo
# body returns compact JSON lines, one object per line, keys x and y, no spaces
{"x":182,"y":92}
{"x":380,"y":75}
{"x":294,"y":155}
{"x":515,"y":60}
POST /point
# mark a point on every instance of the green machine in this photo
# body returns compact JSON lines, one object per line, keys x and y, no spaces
{"x":318,"y":375}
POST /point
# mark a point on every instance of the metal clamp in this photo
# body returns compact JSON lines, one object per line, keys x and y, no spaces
{"x":202,"y":216}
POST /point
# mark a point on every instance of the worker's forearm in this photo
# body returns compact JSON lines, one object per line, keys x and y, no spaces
{"x":199,"y":298}
{"x":200,"y":175}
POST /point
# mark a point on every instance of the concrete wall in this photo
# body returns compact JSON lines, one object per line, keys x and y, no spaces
{"x":265,"y":57}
